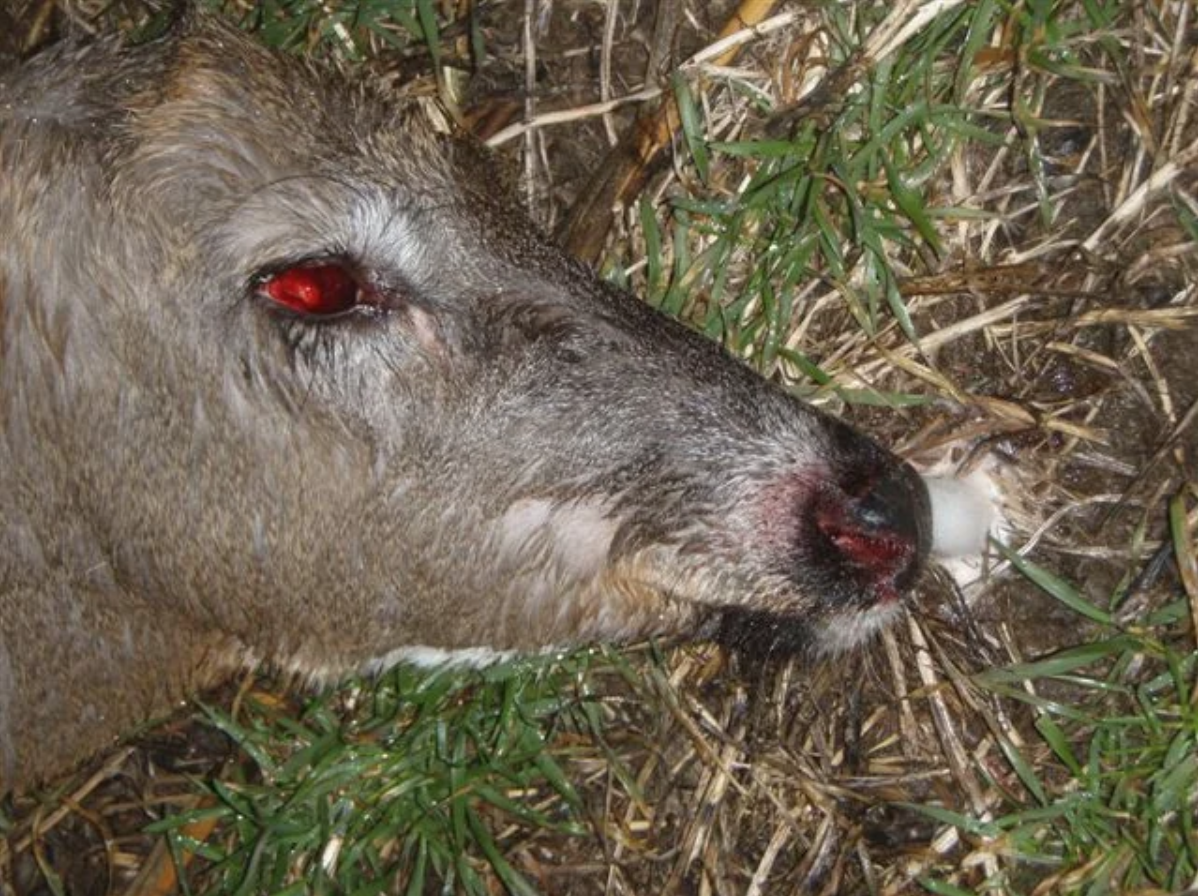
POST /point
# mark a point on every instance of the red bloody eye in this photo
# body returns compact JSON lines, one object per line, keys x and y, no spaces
{"x":320,"y":289}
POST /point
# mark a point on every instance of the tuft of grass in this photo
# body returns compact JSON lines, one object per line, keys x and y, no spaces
{"x":832,"y":207}
{"x":390,"y":786}
{"x":1114,"y":809}
{"x":354,"y":31}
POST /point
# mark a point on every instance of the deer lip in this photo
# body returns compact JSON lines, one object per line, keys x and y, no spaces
{"x":878,"y":535}
{"x":881,"y":555}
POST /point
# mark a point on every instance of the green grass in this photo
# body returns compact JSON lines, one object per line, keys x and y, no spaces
{"x":344,"y":30}
{"x":1113,"y":808}
{"x":391,"y":785}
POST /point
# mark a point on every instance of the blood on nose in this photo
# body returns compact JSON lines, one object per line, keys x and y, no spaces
{"x":883,"y":533}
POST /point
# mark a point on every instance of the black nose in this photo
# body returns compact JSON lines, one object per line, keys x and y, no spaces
{"x":899,"y":503}
{"x":883,"y":532}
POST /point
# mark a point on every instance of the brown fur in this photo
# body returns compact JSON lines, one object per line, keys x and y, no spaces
{"x":495,"y":452}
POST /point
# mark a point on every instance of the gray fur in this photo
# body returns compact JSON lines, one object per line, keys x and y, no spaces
{"x":510,"y":456}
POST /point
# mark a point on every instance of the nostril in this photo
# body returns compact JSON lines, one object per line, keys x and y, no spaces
{"x":884,"y":532}
{"x":898,"y":504}
{"x":875,"y":510}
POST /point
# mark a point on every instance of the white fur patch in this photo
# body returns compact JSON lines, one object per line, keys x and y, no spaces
{"x":437,"y":657}
{"x":964,"y":512}
{"x":967,"y":511}
{"x":294,"y":217}
{"x":577,"y":535}
{"x":844,"y":633}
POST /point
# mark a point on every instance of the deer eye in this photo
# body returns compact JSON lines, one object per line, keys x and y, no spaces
{"x":320,"y":290}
